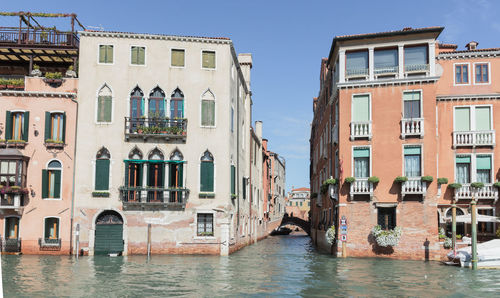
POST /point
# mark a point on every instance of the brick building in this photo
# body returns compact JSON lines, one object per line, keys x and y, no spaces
{"x":298,"y":203}
{"x":401,"y":103}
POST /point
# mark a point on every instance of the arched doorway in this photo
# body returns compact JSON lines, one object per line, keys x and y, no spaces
{"x":460,"y":225}
{"x":108,"y":233}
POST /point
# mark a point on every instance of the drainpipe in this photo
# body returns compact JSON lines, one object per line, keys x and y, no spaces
{"x":237,"y":174}
{"x":73,"y":187}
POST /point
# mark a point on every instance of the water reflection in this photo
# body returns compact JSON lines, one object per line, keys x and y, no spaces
{"x":277,"y":266}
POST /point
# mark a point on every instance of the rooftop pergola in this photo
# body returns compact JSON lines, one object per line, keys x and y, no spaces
{"x":31,"y":43}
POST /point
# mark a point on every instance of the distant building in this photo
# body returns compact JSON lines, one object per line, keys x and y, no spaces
{"x":298,"y":203}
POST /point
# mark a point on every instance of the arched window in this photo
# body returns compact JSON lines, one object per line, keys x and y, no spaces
{"x":51,"y":232}
{"x":136,"y":108}
{"x":155,"y":154}
{"x":208,"y":109}
{"x":102,"y":164}
{"x":177,"y":104}
{"x":156,"y":106}
{"x":104,"y":104}
{"x":176,"y":155}
{"x":133,"y":175}
{"x":135,"y":154}
{"x":155,"y":175}
{"x":51,"y":180}
{"x":176,"y":176}
{"x":207,"y":172}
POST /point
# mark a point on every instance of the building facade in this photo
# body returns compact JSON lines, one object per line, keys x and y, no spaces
{"x":396,"y":111}
{"x":298,"y":203}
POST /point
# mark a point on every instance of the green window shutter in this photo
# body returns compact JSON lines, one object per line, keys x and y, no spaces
{"x":483,"y":162}
{"x":463,"y":159}
{"x":102,"y":54}
{"x":102,"y":174}
{"x":233,"y":174}
{"x":140,"y":168}
{"x":133,"y":53}
{"x":64,"y":128}
{"x":48,"y":127}
{"x":45,"y":184}
{"x":244,"y":188}
{"x":208,"y":59}
{"x":412,"y":150}
{"x":483,"y":119}
{"x":210,"y":174}
{"x":109,"y":54}
{"x":26,"y":127}
{"x":361,"y":152}
{"x":361,"y":108}
{"x":177,"y":57}
{"x":207,"y":176}
{"x":126,"y":174}
{"x":181,"y":174}
{"x":141,"y":59}
{"x":104,"y":108}
{"x":57,"y":183}
{"x":462,"y":119}
{"x":48,"y":223}
{"x":8,"y":125}
{"x":203,"y":176}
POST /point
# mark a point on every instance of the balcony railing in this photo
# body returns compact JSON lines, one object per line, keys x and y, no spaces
{"x":414,"y":186}
{"x":42,"y":38}
{"x":416,"y":68}
{"x":473,"y":138}
{"x":49,"y":244}
{"x":153,"y":198}
{"x":467,"y":192}
{"x":386,"y":71}
{"x":412,"y":127}
{"x":155,"y":128}
{"x":357,"y":73}
{"x":11,"y":245}
{"x":361,"y":186}
{"x":361,"y":130}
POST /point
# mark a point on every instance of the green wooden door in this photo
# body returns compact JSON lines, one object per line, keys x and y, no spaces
{"x":108,"y":239}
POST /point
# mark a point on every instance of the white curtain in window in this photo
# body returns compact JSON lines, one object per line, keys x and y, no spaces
{"x":463,"y":173}
{"x":483,"y":176}
{"x":412,"y":165}
{"x":361,"y":167}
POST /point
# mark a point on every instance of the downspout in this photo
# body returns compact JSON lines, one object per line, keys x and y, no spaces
{"x":251,"y":188}
{"x":237,"y":178}
{"x":73,"y":187}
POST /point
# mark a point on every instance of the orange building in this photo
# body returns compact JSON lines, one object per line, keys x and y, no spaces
{"x":396,"y":111}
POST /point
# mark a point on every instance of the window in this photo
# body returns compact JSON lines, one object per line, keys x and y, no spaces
{"x":208,"y":109}
{"x":207,"y":172}
{"x":385,"y":61}
{"x":386,"y":217}
{"x":233,"y":180}
{"x":361,"y":158}
{"x":205,"y":224}
{"x":177,"y":58}
{"x":232,"y":119}
{"x":411,"y":102}
{"x":51,"y":228}
{"x":106,"y":54}
{"x":415,"y":58}
{"x":483,"y":168}
{"x":486,"y":227}
{"x":12,"y":227}
{"x":55,"y":127}
{"x":462,"y":74}
{"x":176,"y":175}
{"x":208,"y":59}
{"x":464,"y":115}
{"x":462,"y":169}
{"x":137,"y":55}
{"x":481,"y":73}
{"x":17,"y":126}
{"x":356,"y":63}
{"x":361,"y":108}
{"x":413,"y":158}
{"x":12,"y":173}
{"x":156,"y":104}
{"x":177,"y":104}
{"x":133,"y":174}
{"x":136,"y":109}
{"x":155,"y":175}
{"x":51,"y":180}
{"x":104,"y":104}
{"x":102,"y":169}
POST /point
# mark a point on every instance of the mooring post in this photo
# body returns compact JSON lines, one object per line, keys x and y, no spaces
{"x":474,"y":234}
{"x":77,"y":240}
{"x":149,"y":240}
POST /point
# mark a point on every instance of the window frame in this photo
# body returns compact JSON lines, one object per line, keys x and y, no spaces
{"x":204,"y":211}
{"x":473,"y":165}
{"x":369,"y":103}
{"x":472,"y":115}
{"x":395,"y":215}
{"x":474,"y":73}
{"x":145,"y":55}
{"x":215,"y":109}
{"x":421,"y":91}
{"x":175,"y":66}
{"x":17,"y":175}
{"x":48,"y":181}
{"x":214,"y":174}
{"x":201,"y":61}
{"x":370,"y":158}
{"x":422,"y":159}
{"x":58,"y":227}
{"x":98,"y":53}
{"x":96,"y":109}
{"x":63,"y":114}
{"x":455,"y":83}
{"x":94,"y":169}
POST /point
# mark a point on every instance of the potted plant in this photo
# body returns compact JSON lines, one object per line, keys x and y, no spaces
{"x":326,"y":184}
{"x":54,"y":79}
{"x":314,"y":195}
{"x":401,"y":179}
{"x":442,"y":234}
{"x":374,"y":180}
{"x":442,"y":181}
{"x":454,"y":185}
{"x":427,"y":179}
{"x":330,"y":235}
{"x":3,"y":84}
{"x":477,"y":185}
{"x":497,"y":184}
{"x":447,"y":243}
{"x":386,"y":238}
{"x":36,"y":72}
{"x":70,"y":73}
{"x":349,"y":180}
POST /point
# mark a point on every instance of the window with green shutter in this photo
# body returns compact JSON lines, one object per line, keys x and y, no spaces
{"x":483,"y":168}
{"x":51,"y":180}
{"x":105,"y":54}
{"x":233,"y":180}
{"x":104,"y":104}
{"x":207,"y":172}
{"x":361,"y":108}
{"x":208,"y":109}
{"x":8,"y":125}
{"x":51,"y":228}
{"x":177,"y":58}
{"x":462,"y":119}
{"x":208,"y":59}
{"x":138,"y":55}
{"x":102,"y":169}
{"x":17,"y":126}
{"x":483,"y":118}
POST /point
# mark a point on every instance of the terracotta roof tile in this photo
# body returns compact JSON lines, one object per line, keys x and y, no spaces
{"x":189,"y":36}
{"x":301,"y":189}
{"x":407,"y":29}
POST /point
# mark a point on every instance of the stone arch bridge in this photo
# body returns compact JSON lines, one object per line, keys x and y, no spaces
{"x":295,"y":221}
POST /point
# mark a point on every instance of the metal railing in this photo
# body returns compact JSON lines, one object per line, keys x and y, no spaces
{"x":155,"y":127}
{"x":412,"y":127}
{"x":44,"y":38}
{"x":361,"y":186}
{"x":386,"y":70}
{"x":414,"y":186}
{"x":49,"y":243}
{"x":467,"y":192}
{"x":150,"y":195}
{"x":11,"y":245}
{"x":362,"y":129}
{"x":474,"y":138}
{"x":356,"y":73}
{"x":416,"y":68}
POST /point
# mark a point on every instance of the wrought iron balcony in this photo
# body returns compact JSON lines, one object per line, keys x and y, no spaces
{"x":49,"y":243}
{"x":473,"y":138}
{"x":386,"y":71}
{"x":11,"y":245}
{"x":467,"y":192}
{"x":414,"y":186}
{"x":416,"y":69}
{"x":361,"y":186}
{"x":38,"y":38}
{"x":412,"y":127}
{"x":361,"y":130}
{"x":357,"y":73}
{"x":157,"y":128}
{"x":149,"y":198}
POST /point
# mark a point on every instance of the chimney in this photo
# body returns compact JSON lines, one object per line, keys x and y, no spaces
{"x":245,"y":61}
{"x":471,"y":46}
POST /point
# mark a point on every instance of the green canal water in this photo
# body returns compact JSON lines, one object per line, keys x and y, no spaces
{"x":277,"y":266}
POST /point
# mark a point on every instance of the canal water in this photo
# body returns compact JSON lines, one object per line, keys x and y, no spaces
{"x":277,"y":266}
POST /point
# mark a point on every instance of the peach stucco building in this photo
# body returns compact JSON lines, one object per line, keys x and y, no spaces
{"x":402,"y":104}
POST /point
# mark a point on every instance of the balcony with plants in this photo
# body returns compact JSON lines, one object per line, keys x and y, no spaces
{"x":413,"y":185}
{"x":475,"y":190}
{"x":361,"y":186}
{"x":155,"y":128}
{"x":153,"y":198}
{"x":13,"y":191}
{"x":12,"y":83}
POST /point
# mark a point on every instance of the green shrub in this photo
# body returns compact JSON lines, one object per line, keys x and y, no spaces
{"x":454,"y":185}
{"x":401,"y":179}
{"x":497,"y":184}
{"x":349,"y":180}
{"x":373,"y":179}
{"x":442,"y":180}
{"x":53,"y":75}
{"x":477,"y":184}
{"x":428,"y":179}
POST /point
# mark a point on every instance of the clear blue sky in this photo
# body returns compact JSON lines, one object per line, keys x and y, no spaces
{"x":287,"y":40}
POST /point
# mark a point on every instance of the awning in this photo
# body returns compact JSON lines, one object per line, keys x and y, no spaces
{"x":479,"y":218}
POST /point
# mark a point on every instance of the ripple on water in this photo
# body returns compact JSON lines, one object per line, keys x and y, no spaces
{"x":277,"y":266}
